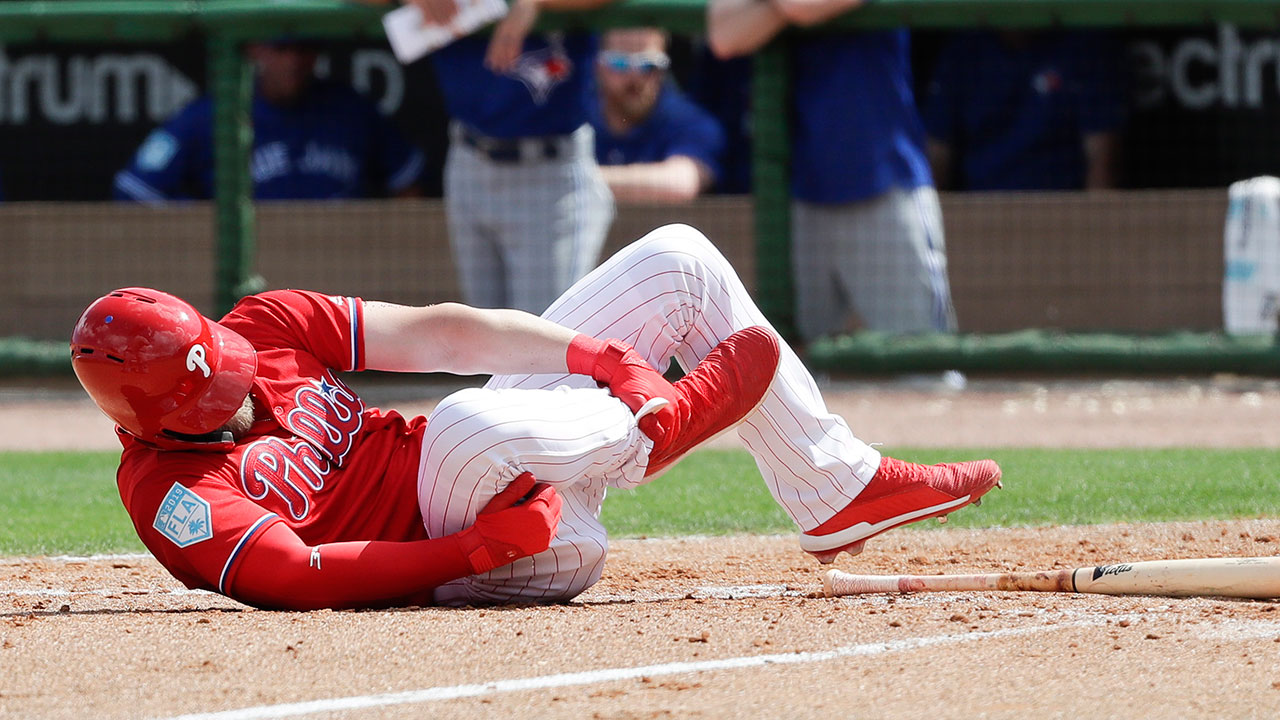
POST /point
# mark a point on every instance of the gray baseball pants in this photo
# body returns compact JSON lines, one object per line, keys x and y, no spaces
{"x":524,"y":229}
{"x":882,"y":261}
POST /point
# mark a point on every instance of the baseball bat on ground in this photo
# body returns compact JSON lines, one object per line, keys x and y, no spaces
{"x":1250,"y":577}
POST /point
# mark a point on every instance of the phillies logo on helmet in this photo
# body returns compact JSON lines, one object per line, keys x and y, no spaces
{"x":137,"y":352}
{"x":195,"y":359}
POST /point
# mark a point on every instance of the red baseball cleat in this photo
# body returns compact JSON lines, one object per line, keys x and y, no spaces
{"x":900,"y":493}
{"x":729,"y":383}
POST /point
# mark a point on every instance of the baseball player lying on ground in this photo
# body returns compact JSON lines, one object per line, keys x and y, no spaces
{"x":250,"y":469}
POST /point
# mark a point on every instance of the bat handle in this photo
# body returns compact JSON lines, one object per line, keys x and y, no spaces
{"x":837,"y":582}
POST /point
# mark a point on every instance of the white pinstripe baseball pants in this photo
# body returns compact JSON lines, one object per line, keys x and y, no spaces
{"x":669,"y":294}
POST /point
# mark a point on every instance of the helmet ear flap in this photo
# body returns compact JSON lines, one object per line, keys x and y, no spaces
{"x":163,"y":372}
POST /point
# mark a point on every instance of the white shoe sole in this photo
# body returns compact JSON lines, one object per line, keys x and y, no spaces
{"x":862,"y":530}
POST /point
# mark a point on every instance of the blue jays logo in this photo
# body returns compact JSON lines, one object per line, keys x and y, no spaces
{"x":183,"y":517}
{"x":542,"y":71}
{"x":1047,"y":81}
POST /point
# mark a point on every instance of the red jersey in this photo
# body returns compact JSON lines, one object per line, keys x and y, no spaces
{"x":323,"y":463}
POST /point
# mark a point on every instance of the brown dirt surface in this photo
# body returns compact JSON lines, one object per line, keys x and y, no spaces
{"x":1223,"y":411}
{"x":701,"y":627}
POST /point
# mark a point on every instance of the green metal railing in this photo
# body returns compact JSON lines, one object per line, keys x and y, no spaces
{"x":150,"y":20}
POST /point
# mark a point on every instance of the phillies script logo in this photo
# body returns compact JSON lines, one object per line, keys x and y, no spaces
{"x":325,"y":419}
{"x":326,"y":415}
{"x":273,"y":466}
{"x":1103,"y":570}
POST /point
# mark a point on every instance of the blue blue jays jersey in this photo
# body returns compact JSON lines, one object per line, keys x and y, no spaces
{"x":1016,"y":116}
{"x":857,"y":131}
{"x":675,"y":127}
{"x":544,"y":94}
{"x":723,"y":88}
{"x":334,"y":144}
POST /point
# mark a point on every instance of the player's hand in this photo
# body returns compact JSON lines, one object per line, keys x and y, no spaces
{"x":508,"y":36}
{"x":617,"y":366}
{"x":518,"y":522}
{"x":436,"y":12}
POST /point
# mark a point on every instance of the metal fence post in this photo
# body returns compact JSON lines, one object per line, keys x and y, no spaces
{"x":771,"y":183}
{"x":231,"y":86}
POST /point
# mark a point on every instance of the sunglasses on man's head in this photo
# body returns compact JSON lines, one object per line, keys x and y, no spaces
{"x":642,"y":62}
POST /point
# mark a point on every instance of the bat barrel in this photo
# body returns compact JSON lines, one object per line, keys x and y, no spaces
{"x":1251,"y":577}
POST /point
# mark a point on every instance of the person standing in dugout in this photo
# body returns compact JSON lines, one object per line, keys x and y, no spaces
{"x":527,"y":208}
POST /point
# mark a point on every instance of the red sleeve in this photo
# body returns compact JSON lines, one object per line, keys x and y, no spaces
{"x":279,"y":570}
{"x":329,"y":327}
{"x":213,"y":538}
{"x":197,"y":527}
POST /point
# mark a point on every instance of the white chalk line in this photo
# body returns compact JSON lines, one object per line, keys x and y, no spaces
{"x":729,"y":592}
{"x":454,"y":692}
{"x":100,"y":592}
{"x":1240,"y":630}
{"x":27,"y":560}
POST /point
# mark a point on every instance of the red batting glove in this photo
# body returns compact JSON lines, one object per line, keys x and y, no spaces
{"x":518,"y":522}
{"x":616,"y":365}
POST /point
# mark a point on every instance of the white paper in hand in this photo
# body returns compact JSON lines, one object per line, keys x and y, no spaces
{"x":411,"y":39}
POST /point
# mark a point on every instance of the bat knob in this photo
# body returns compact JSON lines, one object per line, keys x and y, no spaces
{"x":828,"y":582}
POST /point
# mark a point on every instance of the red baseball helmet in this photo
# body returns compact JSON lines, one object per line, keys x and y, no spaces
{"x":157,"y":367}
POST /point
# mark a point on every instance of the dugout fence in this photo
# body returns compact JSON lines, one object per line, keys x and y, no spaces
{"x":1037,"y":277}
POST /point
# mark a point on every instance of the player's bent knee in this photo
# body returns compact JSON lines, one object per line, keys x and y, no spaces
{"x":680,"y":243}
{"x":678,"y":236}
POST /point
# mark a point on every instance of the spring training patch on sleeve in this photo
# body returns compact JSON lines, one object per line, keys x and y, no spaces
{"x":183,"y":517}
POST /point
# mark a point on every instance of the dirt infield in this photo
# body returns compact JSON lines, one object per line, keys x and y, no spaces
{"x":703,"y":627}
{"x":724,"y":627}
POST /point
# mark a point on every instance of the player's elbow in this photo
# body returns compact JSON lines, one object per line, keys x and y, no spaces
{"x":683,"y":191}
{"x":459,"y":334}
{"x":740,"y":27}
{"x":724,"y":44}
{"x":687,"y":178}
{"x":726,"y":35}
{"x":467,"y":339}
{"x":720,"y":46}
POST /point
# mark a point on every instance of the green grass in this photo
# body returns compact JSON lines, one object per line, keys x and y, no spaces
{"x":52,"y":503}
{"x":56,"y":502}
{"x":716,"y":492}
